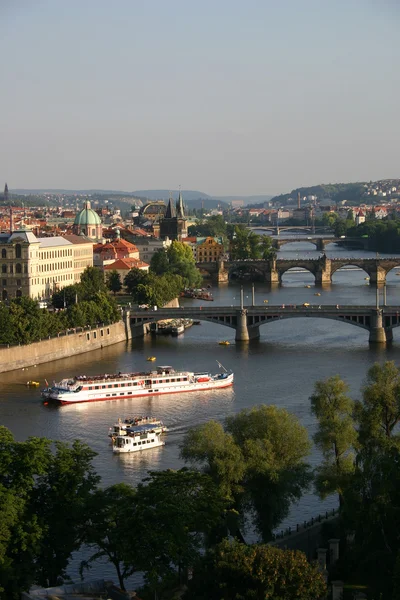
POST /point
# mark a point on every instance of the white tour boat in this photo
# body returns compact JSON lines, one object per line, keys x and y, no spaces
{"x":163,"y":380}
{"x":144,"y":438}
{"x":122,"y":427}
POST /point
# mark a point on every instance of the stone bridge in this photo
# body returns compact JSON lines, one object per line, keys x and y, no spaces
{"x":247,"y":321}
{"x":322,"y":268}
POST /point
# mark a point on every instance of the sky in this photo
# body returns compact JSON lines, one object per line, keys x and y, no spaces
{"x":229,"y":97}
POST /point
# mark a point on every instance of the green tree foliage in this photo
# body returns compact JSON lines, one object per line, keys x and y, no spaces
{"x":92,"y":282}
{"x":379,"y":412}
{"x":336,"y":436}
{"x":133,"y":279}
{"x":257,"y":460}
{"x":246,"y":244}
{"x":182,"y":263}
{"x":182,"y":507}
{"x":214,"y":226}
{"x":42,"y":498}
{"x":257,"y":572}
{"x":371,"y":512}
{"x":383,"y":234}
{"x":60,"y":503}
{"x":113,"y":282}
{"x":111,"y":529}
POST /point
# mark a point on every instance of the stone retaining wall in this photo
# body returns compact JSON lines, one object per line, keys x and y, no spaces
{"x":67,"y":344}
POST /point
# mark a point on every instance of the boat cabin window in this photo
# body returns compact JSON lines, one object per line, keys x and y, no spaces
{"x":109,"y":386}
{"x":167,"y":381}
{"x":134,"y":444}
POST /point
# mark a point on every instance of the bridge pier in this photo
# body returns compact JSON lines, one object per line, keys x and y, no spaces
{"x":377,"y":333}
{"x":244,"y":333}
{"x":377,"y":275}
{"x":320,"y":244}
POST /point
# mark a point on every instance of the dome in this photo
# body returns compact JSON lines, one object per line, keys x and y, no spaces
{"x":87,"y":216}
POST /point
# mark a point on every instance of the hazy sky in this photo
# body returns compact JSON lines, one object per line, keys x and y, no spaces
{"x":223,"y":96}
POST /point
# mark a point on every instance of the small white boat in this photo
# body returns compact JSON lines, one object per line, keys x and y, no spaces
{"x":131,"y":424}
{"x":137,"y":441}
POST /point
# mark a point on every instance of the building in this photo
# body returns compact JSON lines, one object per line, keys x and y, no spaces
{"x":88,"y":223}
{"x":174,"y":224}
{"x":107,"y":253}
{"x":37,"y":267}
{"x":209,"y":249}
{"x":124,"y":265}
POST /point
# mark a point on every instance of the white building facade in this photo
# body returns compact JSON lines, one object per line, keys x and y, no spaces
{"x":38,"y":267}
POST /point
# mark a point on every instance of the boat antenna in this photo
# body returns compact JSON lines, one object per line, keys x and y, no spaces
{"x":222,"y":366}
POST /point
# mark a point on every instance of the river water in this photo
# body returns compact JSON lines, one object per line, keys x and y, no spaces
{"x":280,"y":368}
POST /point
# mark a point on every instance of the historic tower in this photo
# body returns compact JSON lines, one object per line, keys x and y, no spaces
{"x":173,"y":225}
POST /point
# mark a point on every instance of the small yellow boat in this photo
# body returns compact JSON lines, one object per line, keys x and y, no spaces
{"x":32,"y":383}
{"x":266,"y":301}
{"x":366,"y":278}
{"x":317,"y":294}
{"x":224,"y":343}
{"x":151,"y":358}
{"x":307,"y":286}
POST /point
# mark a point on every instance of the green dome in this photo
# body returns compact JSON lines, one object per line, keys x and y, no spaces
{"x":87,"y":216}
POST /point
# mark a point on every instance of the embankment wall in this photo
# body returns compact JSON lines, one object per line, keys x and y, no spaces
{"x":67,"y":344}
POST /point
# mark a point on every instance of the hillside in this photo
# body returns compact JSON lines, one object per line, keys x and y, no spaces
{"x":354,"y":193}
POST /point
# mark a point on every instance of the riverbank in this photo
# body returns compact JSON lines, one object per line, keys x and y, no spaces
{"x":66,"y":344}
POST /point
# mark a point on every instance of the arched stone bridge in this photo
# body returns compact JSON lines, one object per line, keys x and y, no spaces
{"x":380,"y":322}
{"x":322,"y":268}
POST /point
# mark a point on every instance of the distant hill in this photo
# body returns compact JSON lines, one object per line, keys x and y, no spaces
{"x":164,"y":194}
{"x":246,"y":199}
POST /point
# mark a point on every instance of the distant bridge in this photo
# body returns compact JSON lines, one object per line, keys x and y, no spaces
{"x":322,"y":268}
{"x":380,"y":322}
{"x":277,"y":229}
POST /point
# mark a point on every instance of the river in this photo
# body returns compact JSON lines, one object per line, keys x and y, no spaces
{"x":280,"y":368}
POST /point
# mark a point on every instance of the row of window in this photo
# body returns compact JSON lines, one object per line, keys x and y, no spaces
{"x":56,"y":266}
{"x":18,"y":252}
{"x":11,"y":283}
{"x":55,"y":254}
{"x":18,"y":268}
{"x":4,"y":294}
{"x":135,"y":383}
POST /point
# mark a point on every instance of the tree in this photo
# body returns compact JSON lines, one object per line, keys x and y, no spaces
{"x":133,"y":279}
{"x":257,"y":460}
{"x":159,"y":263}
{"x":113,"y":281}
{"x":64,"y":490}
{"x":336,"y":436}
{"x":379,"y":413}
{"x":255,"y":572}
{"x":182,"y":506}
{"x":92,"y":282}
{"x":109,"y":527}
{"x":371,"y":512}
{"x":182,"y":263}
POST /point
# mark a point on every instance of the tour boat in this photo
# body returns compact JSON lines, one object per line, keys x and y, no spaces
{"x":144,"y":438}
{"x":163,"y":380}
{"x":131,"y":424}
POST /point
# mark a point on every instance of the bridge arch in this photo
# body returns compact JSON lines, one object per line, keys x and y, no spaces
{"x":284,"y":269}
{"x":356,"y":321}
{"x":347,"y":266}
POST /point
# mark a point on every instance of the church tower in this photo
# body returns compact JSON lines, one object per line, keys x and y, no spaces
{"x":173,"y":225}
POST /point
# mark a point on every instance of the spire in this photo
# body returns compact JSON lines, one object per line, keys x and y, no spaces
{"x":170,"y":212}
{"x":179,"y":206}
{"x":6,"y":194}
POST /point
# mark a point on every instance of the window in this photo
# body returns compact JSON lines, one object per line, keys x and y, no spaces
{"x":19,"y":294}
{"x":4,"y":294}
{"x":18,"y":268}
{"x":18,"y":282}
{"x":4,"y":282}
{"x":4,"y":253}
{"x":18,"y":251}
{"x":4,"y":268}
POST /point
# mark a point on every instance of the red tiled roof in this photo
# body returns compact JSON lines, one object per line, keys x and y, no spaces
{"x":126,"y":263}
